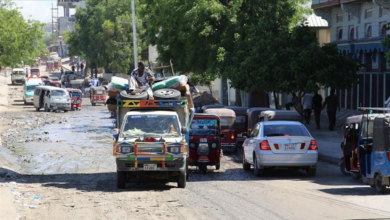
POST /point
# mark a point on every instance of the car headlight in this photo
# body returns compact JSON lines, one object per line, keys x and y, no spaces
{"x":214,"y":145}
{"x":126,"y":149}
{"x":174,"y":149}
{"x":192,"y":145}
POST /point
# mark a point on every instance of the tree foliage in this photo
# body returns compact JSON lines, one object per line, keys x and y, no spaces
{"x":104,"y":34}
{"x":20,"y":40}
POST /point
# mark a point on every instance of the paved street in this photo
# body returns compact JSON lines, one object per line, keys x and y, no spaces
{"x":60,"y":166}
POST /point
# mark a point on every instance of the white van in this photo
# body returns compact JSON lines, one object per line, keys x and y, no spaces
{"x":18,"y":76}
{"x":51,"y":99}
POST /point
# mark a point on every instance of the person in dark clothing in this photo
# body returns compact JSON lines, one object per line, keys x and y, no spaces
{"x":82,"y":67}
{"x":73,"y":68}
{"x":333,"y":103}
{"x":317,"y":107}
{"x":293,"y":101}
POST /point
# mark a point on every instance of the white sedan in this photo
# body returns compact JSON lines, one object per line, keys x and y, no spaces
{"x":280,"y":144}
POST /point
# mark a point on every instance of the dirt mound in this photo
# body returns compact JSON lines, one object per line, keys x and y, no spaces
{"x":204,"y":98}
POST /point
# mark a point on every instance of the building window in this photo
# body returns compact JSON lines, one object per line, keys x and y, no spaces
{"x":382,"y":12}
{"x":369,"y":31}
{"x":384,"y":30}
{"x":368,"y":13}
{"x":352,"y":34}
{"x":340,"y":34}
{"x":349,"y":17}
{"x":339,"y":18}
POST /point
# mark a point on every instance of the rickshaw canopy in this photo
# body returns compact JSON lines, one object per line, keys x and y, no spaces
{"x":212,"y":106}
{"x":238,"y":110}
{"x":253,"y":115}
{"x":227,"y":116}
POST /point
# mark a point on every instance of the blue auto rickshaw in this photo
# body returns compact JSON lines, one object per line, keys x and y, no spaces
{"x":374,"y":158}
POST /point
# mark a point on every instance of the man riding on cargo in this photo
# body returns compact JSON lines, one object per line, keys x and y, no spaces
{"x":141,"y":79}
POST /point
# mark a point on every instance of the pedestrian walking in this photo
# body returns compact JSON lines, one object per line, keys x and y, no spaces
{"x":333,"y":104}
{"x":294,"y":101}
{"x":307,"y":106}
{"x":317,"y":107}
{"x":73,"y":67}
{"x":82,"y":67}
{"x":77,"y":67}
{"x":27,"y":73}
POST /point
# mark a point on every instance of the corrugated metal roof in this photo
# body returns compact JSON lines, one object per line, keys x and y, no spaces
{"x":315,"y":21}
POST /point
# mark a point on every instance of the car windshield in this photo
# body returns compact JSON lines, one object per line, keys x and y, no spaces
{"x":30,"y":88}
{"x":203,"y":127}
{"x":18,"y":73}
{"x":285,"y":130}
{"x":58,"y":93}
{"x":75,"y":95}
{"x":153,"y":125}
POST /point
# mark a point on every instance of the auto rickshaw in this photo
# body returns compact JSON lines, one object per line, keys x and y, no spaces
{"x":77,"y":98}
{"x":239,"y":124}
{"x":280,"y":115}
{"x":76,"y":83}
{"x":227,"y":118}
{"x":98,"y":95}
{"x":49,"y":66}
{"x":202,"y":110}
{"x":205,"y":142}
{"x":57,"y":64}
{"x":252,"y":117}
{"x":374,"y":158}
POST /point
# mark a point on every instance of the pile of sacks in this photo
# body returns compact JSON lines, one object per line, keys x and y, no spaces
{"x":119,"y":84}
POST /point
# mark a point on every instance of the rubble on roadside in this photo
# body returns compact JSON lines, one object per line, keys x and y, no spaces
{"x":204,"y":98}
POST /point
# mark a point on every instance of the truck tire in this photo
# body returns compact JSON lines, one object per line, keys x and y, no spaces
{"x":182,"y":181}
{"x":120,"y":179}
{"x":141,"y":96}
{"x":166,"y":94}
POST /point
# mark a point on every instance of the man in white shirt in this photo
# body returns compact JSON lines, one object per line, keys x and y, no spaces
{"x":307,"y":106}
{"x":140,"y":79}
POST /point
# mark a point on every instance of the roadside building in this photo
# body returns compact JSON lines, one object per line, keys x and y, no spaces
{"x":358,"y":28}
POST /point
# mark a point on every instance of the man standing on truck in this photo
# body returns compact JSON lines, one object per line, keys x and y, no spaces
{"x":140,"y":79}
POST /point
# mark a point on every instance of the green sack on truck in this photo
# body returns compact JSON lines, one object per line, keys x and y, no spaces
{"x":159,"y":85}
{"x":173,"y":82}
{"x":119,"y":83}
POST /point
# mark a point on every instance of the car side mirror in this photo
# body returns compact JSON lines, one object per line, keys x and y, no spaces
{"x":184,"y":130}
{"x":244,"y":134}
{"x":222,"y":135}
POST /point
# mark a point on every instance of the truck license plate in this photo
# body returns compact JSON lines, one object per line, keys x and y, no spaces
{"x":203,"y":140}
{"x":150,"y":166}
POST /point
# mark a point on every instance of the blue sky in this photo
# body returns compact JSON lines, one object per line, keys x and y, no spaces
{"x":38,"y":9}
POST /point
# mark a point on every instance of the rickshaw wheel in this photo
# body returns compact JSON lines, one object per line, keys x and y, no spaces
{"x":378,"y":184}
{"x":203,"y":168}
{"x":355,"y":175}
{"x":342,"y":168}
{"x":218,"y":166}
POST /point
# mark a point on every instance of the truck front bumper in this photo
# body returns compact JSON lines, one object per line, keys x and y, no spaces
{"x":177,"y":165}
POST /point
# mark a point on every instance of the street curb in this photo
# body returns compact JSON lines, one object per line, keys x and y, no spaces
{"x":329,"y":159}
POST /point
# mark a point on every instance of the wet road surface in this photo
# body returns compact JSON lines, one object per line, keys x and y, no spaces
{"x":65,"y":170}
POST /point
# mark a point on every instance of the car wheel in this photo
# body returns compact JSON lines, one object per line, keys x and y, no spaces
{"x":182,"y":180}
{"x":37,"y":109}
{"x":138,"y":96}
{"x":166,"y":94}
{"x":120,"y":179}
{"x":245,"y":165}
{"x":355,"y":175}
{"x":93,"y":104}
{"x":311,"y":171}
{"x":65,"y":110}
{"x":342,"y":168}
{"x":218,"y":166}
{"x":380,"y":188}
{"x":46,"y":109}
{"x":25,"y":102}
{"x":257,"y":171}
{"x":13,"y":83}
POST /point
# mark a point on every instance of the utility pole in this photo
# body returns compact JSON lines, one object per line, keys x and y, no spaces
{"x":134,"y":35}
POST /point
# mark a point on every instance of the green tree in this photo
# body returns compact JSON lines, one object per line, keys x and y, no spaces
{"x":104,"y":34}
{"x":20,"y":40}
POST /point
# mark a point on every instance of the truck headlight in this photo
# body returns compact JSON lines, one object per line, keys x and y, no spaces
{"x":174,"y":149}
{"x":214,"y":145}
{"x":192,"y":145}
{"x":126,"y":149}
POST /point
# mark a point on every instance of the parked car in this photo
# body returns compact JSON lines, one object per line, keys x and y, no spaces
{"x":28,"y":90}
{"x":280,"y":144}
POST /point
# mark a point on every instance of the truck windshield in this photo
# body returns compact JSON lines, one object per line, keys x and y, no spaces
{"x":153,"y":125}
{"x":203,"y":127}
{"x":18,"y":73}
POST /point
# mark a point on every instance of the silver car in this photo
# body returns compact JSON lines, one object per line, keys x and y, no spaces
{"x":280,"y":144}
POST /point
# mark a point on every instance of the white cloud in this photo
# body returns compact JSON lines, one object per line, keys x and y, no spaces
{"x":39,"y":9}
